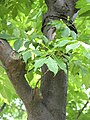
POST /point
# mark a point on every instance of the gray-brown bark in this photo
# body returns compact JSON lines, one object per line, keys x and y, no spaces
{"x":52,"y":106}
{"x":54,"y":89}
{"x":59,"y":9}
{"x":15,"y":69}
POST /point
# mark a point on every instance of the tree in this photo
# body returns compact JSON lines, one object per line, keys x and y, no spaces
{"x":47,"y":98}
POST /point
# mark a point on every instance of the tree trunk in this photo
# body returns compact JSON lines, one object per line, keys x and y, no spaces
{"x":52,"y":105}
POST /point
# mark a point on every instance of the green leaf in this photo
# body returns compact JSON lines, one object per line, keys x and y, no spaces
{"x":62,"y":43}
{"x":84,"y":9}
{"x":27,"y":55}
{"x":6,"y":93}
{"x":14,"y":12}
{"x":39,"y":63}
{"x":86,"y":80}
{"x":85,"y":14}
{"x":21,"y":8}
{"x":66,"y":32}
{"x":37,"y":52}
{"x":16,"y":32}
{"x":72,"y":46}
{"x":30,"y":76}
{"x":52,"y":65}
{"x":86,"y":46}
{"x":61,"y":64}
{"x":45,"y":40}
{"x":18,"y":44}
{"x":6,"y":88}
{"x":4,"y":36}
{"x":74,"y":35}
{"x":26,"y":44}
{"x":87,"y":55}
{"x":88,"y":0}
{"x":81,"y":3}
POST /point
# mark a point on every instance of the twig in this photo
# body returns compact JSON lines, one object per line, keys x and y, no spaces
{"x":34,"y":93}
{"x":85,"y":105}
{"x":2,"y":107}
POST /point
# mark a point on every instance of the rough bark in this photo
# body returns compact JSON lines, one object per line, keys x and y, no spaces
{"x":58,"y":9}
{"x":52,"y":105}
{"x":15,"y":69}
{"x":54,"y":89}
{"x":54,"y":92}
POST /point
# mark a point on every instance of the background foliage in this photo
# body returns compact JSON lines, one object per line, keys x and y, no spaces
{"x":20,"y":25}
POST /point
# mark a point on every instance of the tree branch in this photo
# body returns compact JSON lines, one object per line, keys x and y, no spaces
{"x":85,"y":105}
{"x":15,"y":69}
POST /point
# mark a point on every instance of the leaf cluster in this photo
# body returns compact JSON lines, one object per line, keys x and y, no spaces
{"x":20,"y":24}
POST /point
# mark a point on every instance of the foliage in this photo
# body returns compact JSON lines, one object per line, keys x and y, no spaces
{"x":20,"y":24}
